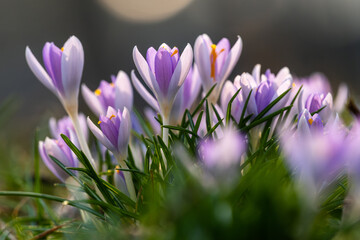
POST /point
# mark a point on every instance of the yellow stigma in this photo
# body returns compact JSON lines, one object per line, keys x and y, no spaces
{"x":310,"y":121}
{"x":117,"y":169}
{"x":99,"y":122}
{"x":293,"y":84}
{"x":62,"y":49}
{"x":97,"y":92}
{"x":112,"y":116}
{"x":175,"y":52}
{"x":213,"y":56}
{"x":112,"y":84}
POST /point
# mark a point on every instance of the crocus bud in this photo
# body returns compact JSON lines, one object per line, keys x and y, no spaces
{"x":59,"y":150}
{"x":215,"y":62}
{"x":114,"y":131}
{"x":117,"y":94}
{"x":63,"y":70}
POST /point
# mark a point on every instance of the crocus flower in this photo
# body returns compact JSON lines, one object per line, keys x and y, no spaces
{"x":224,"y":153}
{"x":316,"y":159}
{"x":59,"y":150}
{"x":114,"y":130}
{"x":308,"y":123}
{"x":63,"y":70}
{"x":117,"y":94}
{"x":215,"y":62}
{"x":265,"y":89}
{"x":114,"y":134}
{"x":316,"y":93}
{"x":65,"y":125}
{"x":227,"y":93}
{"x":164,"y":71}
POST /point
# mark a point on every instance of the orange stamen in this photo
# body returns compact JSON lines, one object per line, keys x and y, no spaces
{"x":112,"y":84}
{"x":97,"y":92}
{"x":62,"y":49}
{"x":213,"y":56}
{"x":310,"y":121}
{"x":112,"y":116}
{"x":99,"y":122}
{"x":175,"y":52}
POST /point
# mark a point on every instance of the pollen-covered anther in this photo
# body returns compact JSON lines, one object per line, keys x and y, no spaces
{"x":99,"y":122}
{"x":62,"y":49}
{"x":112,"y":85}
{"x":175,"y":52}
{"x":293,"y":85}
{"x":112,"y":116}
{"x":310,"y":121}
{"x":213,"y":56}
{"x":97,"y":92}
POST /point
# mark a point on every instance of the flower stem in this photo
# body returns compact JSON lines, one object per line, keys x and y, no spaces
{"x":165,"y":136}
{"x":81,"y":137}
{"x":128,"y":178}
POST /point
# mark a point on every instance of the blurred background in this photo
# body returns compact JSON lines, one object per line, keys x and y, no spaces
{"x":306,"y":36}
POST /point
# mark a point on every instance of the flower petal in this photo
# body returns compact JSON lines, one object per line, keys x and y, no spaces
{"x":72,"y":64}
{"x":230,"y":62}
{"x":145,"y":72}
{"x":92,"y":101}
{"x":124,"y":132}
{"x":256,"y":73}
{"x":202,"y":60}
{"x":144,"y":93}
{"x":163,"y":70}
{"x":39,"y":71}
{"x":123,"y":91}
{"x":99,"y":135}
{"x":247,"y":84}
{"x":181,"y":71}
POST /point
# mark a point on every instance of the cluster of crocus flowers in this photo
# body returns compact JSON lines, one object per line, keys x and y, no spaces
{"x":316,"y":151}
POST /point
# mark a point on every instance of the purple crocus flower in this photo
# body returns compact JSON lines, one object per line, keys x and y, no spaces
{"x":265,"y":89}
{"x":215,"y":62}
{"x":59,"y":150}
{"x":308,"y":123}
{"x":63,"y":70}
{"x":222,"y":154}
{"x":227,"y":93}
{"x":316,"y":101}
{"x":65,"y":125}
{"x":316,"y":159}
{"x":114,"y":132}
{"x":164,"y":71}
{"x":117,"y":94}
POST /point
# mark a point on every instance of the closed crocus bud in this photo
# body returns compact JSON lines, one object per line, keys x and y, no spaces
{"x":117,"y":94}
{"x":59,"y":150}
{"x":265,"y":89}
{"x":114,"y":131}
{"x":65,"y":125}
{"x":215,"y":62}
{"x":63,"y":70}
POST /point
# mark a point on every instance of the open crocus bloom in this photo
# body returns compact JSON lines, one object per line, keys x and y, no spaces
{"x":215,"y":62}
{"x":265,"y":89}
{"x":117,"y":94}
{"x":114,"y":132}
{"x":308,"y":123}
{"x":164,"y":71}
{"x":63,"y":70}
{"x":59,"y":150}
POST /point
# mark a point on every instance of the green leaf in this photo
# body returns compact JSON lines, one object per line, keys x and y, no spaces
{"x":228,"y":111}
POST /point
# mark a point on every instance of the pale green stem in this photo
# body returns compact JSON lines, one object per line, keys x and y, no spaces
{"x":128,"y":179}
{"x":81,"y":137}
{"x":165,"y":136}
